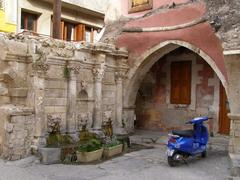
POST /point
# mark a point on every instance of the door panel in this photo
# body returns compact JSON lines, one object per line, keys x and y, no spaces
{"x":224,"y":121}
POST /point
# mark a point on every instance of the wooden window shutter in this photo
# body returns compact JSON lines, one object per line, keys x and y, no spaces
{"x":181,"y":82}
{"x":185,"y":83}
{"x":92,"y":36}
{"x":62,"y":29}
{"x":80,"y":32}
{"x":175,"y":83}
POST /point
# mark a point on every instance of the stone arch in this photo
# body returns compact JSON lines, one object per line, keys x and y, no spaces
{"x":143,"y":64}
{"x":83,"y":95}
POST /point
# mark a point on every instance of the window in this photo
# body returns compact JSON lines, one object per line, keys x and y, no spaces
{"x":139,"y":5}
{"x":29,"y":21}
{"x":78,"y":32}
{"x":181,"y":82}
{"x":67,"y":31}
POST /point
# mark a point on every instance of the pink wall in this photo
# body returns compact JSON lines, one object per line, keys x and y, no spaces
{"x":156,"y":4}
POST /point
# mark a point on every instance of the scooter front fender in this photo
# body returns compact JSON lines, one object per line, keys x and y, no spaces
{"x":170,"y":152}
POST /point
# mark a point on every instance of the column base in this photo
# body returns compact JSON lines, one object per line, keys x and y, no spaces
{"x":120,"y":131}
{"x":38,"y":142}
{"x":235,"y":164}
{"x":98,"y":132}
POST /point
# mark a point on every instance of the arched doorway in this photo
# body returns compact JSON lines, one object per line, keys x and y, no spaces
{"x":178,"y":87}
{"x":142,"y":90}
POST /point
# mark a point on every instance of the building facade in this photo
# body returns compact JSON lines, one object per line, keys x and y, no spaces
{"x":81,"y":21}
{"x":8,"y":21}
{"x":158,"y":64}
{"x":182,"y":56}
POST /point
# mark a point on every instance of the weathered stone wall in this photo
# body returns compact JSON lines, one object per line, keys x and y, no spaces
{"x":225,"y":15}
{"x":153,"y":107}
{"x":55,"y":79}
{"x":18,"y":134}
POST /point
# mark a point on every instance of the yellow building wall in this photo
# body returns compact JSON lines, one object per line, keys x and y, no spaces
{"x":5,"y":26}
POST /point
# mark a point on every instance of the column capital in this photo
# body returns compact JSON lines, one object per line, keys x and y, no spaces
{"x":98,"y":73}
{"x":120,"y":75}
{"x":40,"y":68}
{"x":75,"y":69}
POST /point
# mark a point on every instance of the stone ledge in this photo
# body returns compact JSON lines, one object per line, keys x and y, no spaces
{"x":235,"y":164}
{"x":13,"y":110}
{"x":234,"y":116}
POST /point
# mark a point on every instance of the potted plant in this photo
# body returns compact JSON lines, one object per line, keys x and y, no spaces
{"x":90,"y":151}
{"x":112,"y":147}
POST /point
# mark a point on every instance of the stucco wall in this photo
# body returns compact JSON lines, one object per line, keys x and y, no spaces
{"x":156,"y":4}
{"x":95,"y":5}
{"x":44,"y":9}
{"x":153,"y":107}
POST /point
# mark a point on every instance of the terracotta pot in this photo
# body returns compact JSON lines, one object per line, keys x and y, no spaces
{"x":112,"y":151}
{"x":89,"y":156}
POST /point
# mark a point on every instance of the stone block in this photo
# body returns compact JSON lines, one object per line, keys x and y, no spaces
{"x":50,"y":155}
{"x":57,"y":84}
{"x":56,"y":102}
{"x":49,"y":109}
{"x":56,"y":93}
{"x":60,"y":109}
{"x":15,"y":47}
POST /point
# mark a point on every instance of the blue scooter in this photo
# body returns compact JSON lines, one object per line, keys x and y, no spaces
{"x":182,"y":144}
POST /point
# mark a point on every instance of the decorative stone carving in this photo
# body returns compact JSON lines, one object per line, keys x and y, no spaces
{"x":40,"y":66}
{"x":107,"y":115}
{"x":53,"y":124}
{"x":75,"y":69}
{"x":107,"y":123}
{"x":83,"y":119}
{"x":119,"y":75}
{"x":98,"y":73}
{"x":83,"y":85}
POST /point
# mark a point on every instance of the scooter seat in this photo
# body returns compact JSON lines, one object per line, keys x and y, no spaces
{"x":183,"y":133}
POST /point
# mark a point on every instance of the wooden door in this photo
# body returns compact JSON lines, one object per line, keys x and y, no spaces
{"x":224,"y":121}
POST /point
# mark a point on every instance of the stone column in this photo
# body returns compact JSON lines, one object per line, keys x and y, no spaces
{"x":97,"y":112}
{"x":72,"y":98}
{"x":119,"y":101}
{"x":232,"y":62}
{"x":234,"y":133}
{"x":38,"y":95}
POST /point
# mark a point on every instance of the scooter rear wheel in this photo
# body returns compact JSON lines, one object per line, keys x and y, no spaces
{"x":171,"y":161}
{"x":204,"y":154}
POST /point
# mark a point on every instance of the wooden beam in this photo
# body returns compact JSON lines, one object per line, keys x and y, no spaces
{"x":57,"y":4}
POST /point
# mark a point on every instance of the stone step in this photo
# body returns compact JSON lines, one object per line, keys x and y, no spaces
{"x":217,"y":143}
{"x":235,"y":164}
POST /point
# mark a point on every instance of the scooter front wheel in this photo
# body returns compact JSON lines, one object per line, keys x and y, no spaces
{"x":171,"y":161}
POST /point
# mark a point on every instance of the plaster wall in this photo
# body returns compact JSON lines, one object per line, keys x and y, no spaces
{"x":94,"y":5}
{"x":156,"y":4}
{"x":153,"y":107}
{"x":44,"y":10}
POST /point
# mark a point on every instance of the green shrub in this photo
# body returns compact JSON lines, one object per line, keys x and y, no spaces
{"x":91,"y":145}
{"x":111,"y":142}
{"x":58,"y":140}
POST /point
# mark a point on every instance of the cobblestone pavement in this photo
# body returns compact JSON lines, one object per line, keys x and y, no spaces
{"x":149,"y":164}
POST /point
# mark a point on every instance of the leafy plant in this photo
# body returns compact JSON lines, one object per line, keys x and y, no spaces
{"x":66,"y":72}
{"x":91,"y":145}
{"x":58,"y":140}
{"x":111,"y":142}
